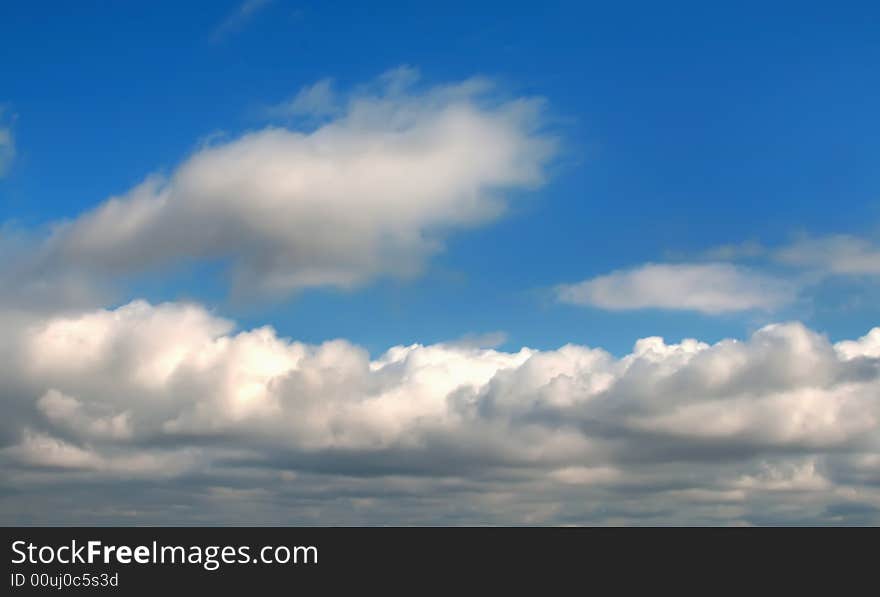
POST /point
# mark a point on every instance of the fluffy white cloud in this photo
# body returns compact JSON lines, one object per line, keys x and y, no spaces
{"x":709,"y":288}
{"x":372,"y":192}
{"x":736,"y":430}
{"x":866,"y":346}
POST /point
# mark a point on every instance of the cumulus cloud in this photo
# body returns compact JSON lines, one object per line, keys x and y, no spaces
{"x":708,"y":288}
{"x":781,"y":427}
{"x":372,"y":192}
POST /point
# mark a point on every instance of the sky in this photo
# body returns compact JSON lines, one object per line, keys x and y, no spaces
{"x":283,"y":262}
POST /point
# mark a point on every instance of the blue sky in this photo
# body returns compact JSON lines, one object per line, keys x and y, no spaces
{"x":277,"y":262}
{"x":683,"y":127}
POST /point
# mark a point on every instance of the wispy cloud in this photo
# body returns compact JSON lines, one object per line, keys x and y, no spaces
{"x":7,"y":150}
{"x":7,"y":145}
{"x":711,"y":288}
{"x":239,"y":17}
{"x":820,"y":256}
{"x":312,"y":101}
{"x":841,"y":254}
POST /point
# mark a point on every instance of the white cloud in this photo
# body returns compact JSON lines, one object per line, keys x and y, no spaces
{"x":181,"y":370}
{"x":866,"y":346}
{"x":837,"y":255}
{"x":708,"y":288}
{"x":371,"y":193}
{"x":713,"y":432}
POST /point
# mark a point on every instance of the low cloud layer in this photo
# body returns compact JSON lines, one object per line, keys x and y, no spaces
{"x":708,"y":288}
{"x":371,"y":192}
{"x":182,"y":418}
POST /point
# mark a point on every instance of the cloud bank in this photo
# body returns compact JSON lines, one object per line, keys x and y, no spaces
{"x":167,"y":404}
